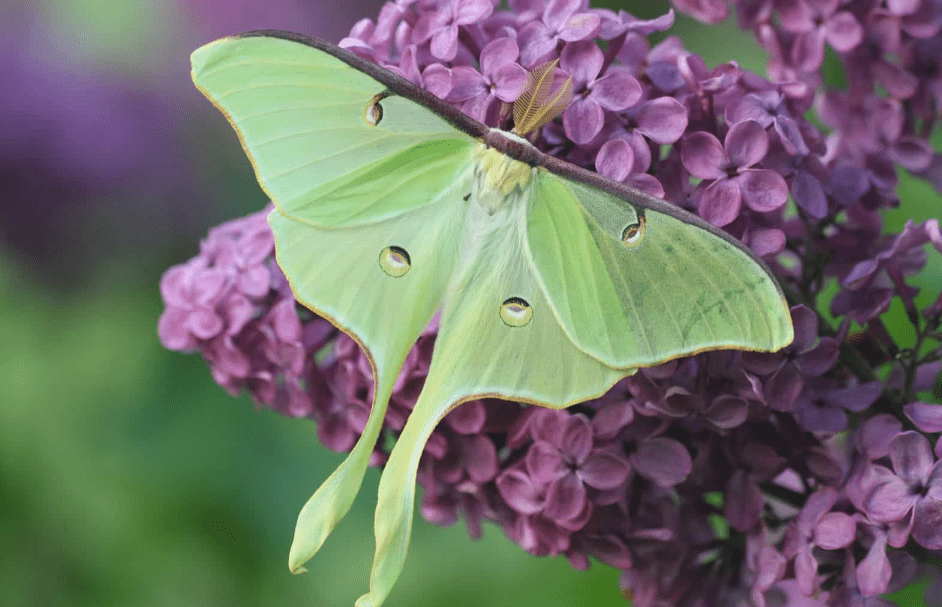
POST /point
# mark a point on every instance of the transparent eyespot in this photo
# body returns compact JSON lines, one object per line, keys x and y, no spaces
{"x":516,"y":312}
{"x":395,"y":261}
{"x":374,"y":112}
{"x":633,"y":232}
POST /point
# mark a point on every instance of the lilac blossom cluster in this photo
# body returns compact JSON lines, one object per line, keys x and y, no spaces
{"x":811,"y":476}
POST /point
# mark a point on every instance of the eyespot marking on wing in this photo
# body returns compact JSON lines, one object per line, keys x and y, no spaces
{"x":395,"y":261}
{"x":516,"y":312}
{"x":373,"y":113}
{"x":634,"y":232}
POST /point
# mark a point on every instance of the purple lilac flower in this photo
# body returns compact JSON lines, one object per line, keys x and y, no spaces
{"x":824,"y":403}
{"x":561,"y":20}
{"x":594,"y":93}
{"x":911,"y":494}
{"x":817,"y":526}
{"x":818,"y":457}
{"x":871,"y":284}
{"x":729,"y":179}
{"x":440,"y":26}
{"x":787,"y":369}
{"x":815,"y":24}
{"x":501,"y":79}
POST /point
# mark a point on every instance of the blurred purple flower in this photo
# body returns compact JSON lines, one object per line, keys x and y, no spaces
{"x":926,"y":416}
{"x":89,"y":159}
{"x":814,"y":23}
{"x":708,"y":11}
{"x":870,"y":285}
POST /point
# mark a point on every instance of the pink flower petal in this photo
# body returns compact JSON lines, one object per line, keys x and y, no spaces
{"x":557,"y":11}
{"x":727,"y":411}
{"x":498,"y":53}
{"x":437,"y":79}
{"x":783,"y":387}
{"x":835,"y":530}
{"x":580,"y":27}
{"x":604,"y":471}
{"x":445,"y":43}
{"x":576,"y":443}
{"x":874,"y":571}
{"x":873,"y":438}
{"x":762,"y":190}
{"x":662,"y":120}
{"x":703,"y":156}
{"x":466,"y":83}
{"x":720,"y":202}
{"x":615,"y":159}
{"x":747,"y":143}
{"x":767,"y":242}
{"x":843,"y":32}
{"x":519,"y":492}
{"x":172,"y":329}
{"x":565,"y":498}
{"x":617,"y":90}
{"x":927,"y":523}
{"x":912,"y":457}
{"x":809,"y":194}
{"x":481,"y":459}
{"x":583,"y":120}
{"x":889,"y":500}
{"x":663,"y":461}
{"x":467,"y":418}
{"x":473,"y":11}
{"x":544,"y":463}
{"x":743,"y":502}
{"x":926,"y":416}
{"x":583,"y":61}
{"x":510,"y":81}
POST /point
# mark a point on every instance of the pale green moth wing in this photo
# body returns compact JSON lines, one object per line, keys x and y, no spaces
{"x":353,"y":170}
{"x":381,"y":283}
{"x":636,"y":283}
{"x":330,"y":145}
{"x":392,"y":204}
{"x":497,"y":337}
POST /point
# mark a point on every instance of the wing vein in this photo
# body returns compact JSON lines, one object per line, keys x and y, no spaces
{"x":288,"y":85}
{"x":325,"y":157}
{"x":586,"y":245}
{"x":752,"y":296}
{"x":293,"y":108}
{"x":395,"y":188}
{"x":231,"y":64}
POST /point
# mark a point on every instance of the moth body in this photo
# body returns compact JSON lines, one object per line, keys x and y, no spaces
{"x":500,"y":180}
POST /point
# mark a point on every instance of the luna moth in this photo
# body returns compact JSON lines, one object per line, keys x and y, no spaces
{"x":553,"y":282}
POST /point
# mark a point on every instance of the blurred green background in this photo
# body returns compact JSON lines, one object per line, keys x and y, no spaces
{"x":127,"y":477}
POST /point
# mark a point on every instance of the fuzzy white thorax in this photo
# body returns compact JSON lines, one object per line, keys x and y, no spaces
{"x":499,"y":180}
